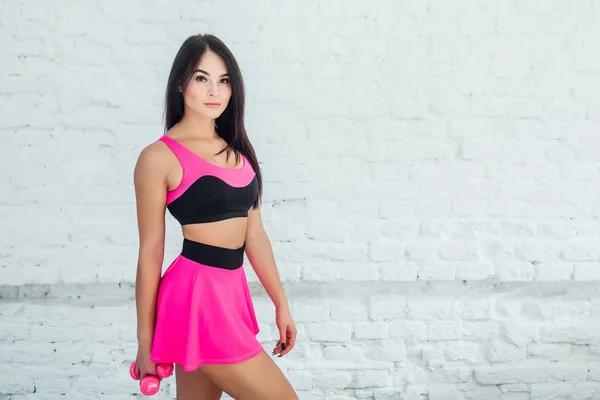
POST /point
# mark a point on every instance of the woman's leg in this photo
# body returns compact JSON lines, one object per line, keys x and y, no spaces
{"x":256,"y":379}
{"x":194,"y":385}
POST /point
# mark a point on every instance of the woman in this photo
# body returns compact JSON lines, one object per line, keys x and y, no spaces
{"x":199,"y":314}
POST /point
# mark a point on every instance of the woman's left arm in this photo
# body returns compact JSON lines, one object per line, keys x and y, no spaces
{"x":260,"y":254}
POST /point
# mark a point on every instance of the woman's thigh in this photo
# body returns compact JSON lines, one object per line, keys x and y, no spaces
{"x":256,"y":379}
{"x":194,"y":385}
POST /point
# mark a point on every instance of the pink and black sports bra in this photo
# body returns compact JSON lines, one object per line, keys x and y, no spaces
{"x":208,"y":192}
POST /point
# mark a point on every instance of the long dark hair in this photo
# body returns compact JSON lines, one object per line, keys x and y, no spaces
{"x":230,"y":124}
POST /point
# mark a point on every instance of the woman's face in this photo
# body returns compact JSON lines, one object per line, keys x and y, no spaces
{"x":209,"y":90}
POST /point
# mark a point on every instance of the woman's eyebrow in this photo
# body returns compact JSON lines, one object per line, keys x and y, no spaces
{"x":204,"y":72}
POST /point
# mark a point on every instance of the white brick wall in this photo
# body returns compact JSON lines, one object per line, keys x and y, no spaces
{"x":431,"y":190}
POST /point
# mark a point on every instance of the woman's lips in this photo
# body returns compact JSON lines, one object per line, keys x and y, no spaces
{"x":212,"y":105}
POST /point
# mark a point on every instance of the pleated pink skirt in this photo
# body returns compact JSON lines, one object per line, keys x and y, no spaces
{"x":204,"y":311}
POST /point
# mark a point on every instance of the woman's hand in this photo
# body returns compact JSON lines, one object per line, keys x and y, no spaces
{"x":143,"y":364}
{"x":287,"y":331}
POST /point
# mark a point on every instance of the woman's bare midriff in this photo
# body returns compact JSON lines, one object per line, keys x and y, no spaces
{"x":229,"y":233}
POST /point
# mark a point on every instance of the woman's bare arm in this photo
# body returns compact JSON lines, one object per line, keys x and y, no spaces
{"x":150,"y":176}
{"x":260,"y":254}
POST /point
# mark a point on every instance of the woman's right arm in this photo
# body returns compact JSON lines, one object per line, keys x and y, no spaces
{"x":150,"y":177}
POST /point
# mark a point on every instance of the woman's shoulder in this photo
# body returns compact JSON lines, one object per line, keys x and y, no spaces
{"x":156,"y":156}
{"x":154,"y":150}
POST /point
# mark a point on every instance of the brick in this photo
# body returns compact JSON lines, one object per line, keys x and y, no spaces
{"x":387,"y":351}
{"x":332,"y":379}
{"x":444,"y":392}
{"x":464,"y":351}
{"x":427,"y":308}
{"x":529,"y":372}
{"x":455,"y":375}
{"x":499,"y":351}
{"x":329,"y":332}
{"x":556,"y":391}
{"x":314,"y":310}
{"x":444,"y":330}
{"x":349,"y":310}
{"x":300,"y":380}
{"x":370,"y":378}
{"x":345,"y":352}
{"x":398,"y":271}
{"x":414,"y":331}
{"x":386,"y":308}
{"x":549,"y":351}
{"x":371,"y":330}
{"x":16,"y":385}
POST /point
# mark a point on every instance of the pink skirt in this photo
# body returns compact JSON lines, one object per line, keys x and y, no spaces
{"x":204,"y":311}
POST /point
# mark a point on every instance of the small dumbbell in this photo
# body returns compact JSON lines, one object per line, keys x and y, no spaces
{"x":151,"y":383}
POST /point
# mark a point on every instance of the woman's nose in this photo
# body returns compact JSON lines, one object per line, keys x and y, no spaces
{"x":213,"y":90}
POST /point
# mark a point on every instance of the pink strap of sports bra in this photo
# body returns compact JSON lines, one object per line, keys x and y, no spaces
{"x":182,"y":153}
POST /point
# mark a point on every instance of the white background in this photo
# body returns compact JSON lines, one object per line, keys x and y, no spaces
{"x":431,"y":190}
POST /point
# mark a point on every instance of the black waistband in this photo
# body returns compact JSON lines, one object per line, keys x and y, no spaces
{"x":219,"y":257}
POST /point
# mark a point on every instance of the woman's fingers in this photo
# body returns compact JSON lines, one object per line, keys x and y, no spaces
{"x":291,"y":340}
{"x":281,"y":343}
{"x":278,"y":348}
{"x":282,"y":335}
{"x":291,"y":343}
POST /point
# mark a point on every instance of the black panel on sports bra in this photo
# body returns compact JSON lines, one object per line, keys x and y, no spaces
{"x":210,"y":199}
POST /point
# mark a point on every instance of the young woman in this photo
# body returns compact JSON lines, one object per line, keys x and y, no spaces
{"x":203,"y":169}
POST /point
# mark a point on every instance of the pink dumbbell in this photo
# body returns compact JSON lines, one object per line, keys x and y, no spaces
{"x":151,"y":383}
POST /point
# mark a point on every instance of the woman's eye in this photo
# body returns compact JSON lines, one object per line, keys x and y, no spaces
{"x":201,"y":78}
